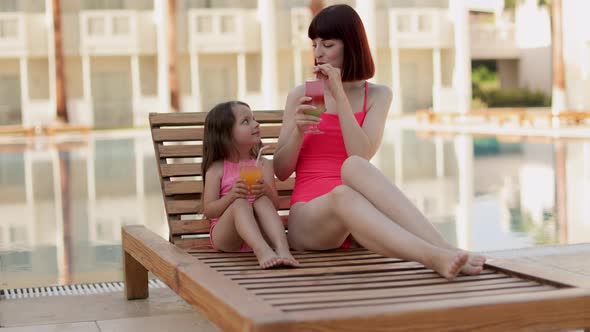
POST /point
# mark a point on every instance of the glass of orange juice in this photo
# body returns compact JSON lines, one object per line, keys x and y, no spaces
{"x":251,"y":174}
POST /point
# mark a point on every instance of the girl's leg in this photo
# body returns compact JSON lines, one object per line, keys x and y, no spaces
{"x":237,"y":225}
{"x":273,"y":228}
{"x":387,"y":198}
{"x":312,"y":225}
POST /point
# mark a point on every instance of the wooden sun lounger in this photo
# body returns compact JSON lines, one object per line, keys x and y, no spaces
{"x":63,"y":128}
{"x":17,"y":130}
{"x":351,"y":290}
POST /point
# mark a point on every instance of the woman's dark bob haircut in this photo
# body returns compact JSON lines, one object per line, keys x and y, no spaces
{"x":342,"y":22}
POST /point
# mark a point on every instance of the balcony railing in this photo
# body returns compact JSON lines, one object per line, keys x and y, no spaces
{"x":419,"y":28}
{"x":108,"y":32}
{"x":223,"y":30}
{"x":13,"y":39}
{"x":493,"y":41}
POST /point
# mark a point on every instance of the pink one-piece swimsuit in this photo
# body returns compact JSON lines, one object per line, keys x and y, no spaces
{"x":321,"y":158}
{"x":231,"y":173}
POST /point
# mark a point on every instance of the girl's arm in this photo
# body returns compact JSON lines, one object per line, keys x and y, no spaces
{"x":291,"y":135}
{"x":213,"y":206}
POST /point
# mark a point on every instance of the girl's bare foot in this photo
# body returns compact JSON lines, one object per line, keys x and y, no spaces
{"x":287,"y":258}
{"x":449,"y":263}
{"x":268,"y":258}
{"x":474,"y":264}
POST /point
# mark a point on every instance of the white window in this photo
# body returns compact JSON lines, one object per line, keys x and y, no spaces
{"x":8,"y":28}
{"x":120,"y":25}
{"x":228,"y":24}
{"x":96,"y":26}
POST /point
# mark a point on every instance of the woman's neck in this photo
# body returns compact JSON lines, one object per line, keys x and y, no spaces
{"x":353,"y":85}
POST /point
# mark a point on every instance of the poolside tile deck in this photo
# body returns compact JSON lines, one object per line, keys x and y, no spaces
{"x":165,"y":311}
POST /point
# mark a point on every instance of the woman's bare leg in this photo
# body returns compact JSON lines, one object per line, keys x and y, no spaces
{"x":237,"y":225}
{"x":344,"y":210}
{"x":272,"y":226}
{"x":365,"y":178}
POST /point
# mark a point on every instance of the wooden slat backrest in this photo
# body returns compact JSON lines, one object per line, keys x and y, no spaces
{"x":177,"y":139}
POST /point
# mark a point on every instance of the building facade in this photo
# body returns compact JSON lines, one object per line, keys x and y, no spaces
{"x":115,"y":54}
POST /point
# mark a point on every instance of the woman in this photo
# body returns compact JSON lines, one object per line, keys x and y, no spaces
{"x":338,"y":193}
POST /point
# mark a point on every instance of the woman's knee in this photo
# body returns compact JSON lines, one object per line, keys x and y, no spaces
{"x":341,"y":196}
{"x":353,"y":166}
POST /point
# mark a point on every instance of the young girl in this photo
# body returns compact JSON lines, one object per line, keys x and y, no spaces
{"x":338,"y":193}
{"x":241,"y":217}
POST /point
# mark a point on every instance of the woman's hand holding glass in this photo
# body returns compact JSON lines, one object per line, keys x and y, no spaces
{"x":302,"y":120}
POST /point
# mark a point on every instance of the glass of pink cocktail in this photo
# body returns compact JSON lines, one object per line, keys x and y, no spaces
{"x":315,"y":90}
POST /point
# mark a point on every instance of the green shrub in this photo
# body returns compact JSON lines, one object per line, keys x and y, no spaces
{"x":512,"y":98}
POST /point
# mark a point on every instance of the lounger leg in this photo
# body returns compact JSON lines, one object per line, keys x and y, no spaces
{"x":136,"y":278}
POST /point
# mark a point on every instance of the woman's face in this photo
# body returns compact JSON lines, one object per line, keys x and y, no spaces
{"x":328,"y":51}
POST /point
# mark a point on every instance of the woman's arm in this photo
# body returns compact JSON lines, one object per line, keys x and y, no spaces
{"x":213,"y":206}
{"x":356,"y":140}
{"x":291,"y":135}
{"x":377,"y":108}
{"x":361,"y":141}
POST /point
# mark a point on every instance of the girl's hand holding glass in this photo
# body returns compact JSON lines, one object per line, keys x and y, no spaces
{"x":260,"y":189}
{"x":239,"y":190}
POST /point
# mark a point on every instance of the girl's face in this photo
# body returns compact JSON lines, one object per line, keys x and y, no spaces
{"x":328,"y":51}
{"x":246,"y":130}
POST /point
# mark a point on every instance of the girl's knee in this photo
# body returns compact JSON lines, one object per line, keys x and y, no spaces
{"x":262,"y":201}
{"x":241,"y":204}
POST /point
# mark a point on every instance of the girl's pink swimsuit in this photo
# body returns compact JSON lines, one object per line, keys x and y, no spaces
{"x":231,"y":173}
{"x":321,"y":157}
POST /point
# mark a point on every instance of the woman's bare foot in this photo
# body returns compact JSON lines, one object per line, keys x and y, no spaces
{"x":287,"y":258}
{"x":449,"y":263}
{"x":268,"y":258}
{"x":474,"y":264}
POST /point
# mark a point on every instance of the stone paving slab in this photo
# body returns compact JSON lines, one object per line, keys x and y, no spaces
{"x":189,"y":322}
{"x":70,"y":327}
{"x":166,"y":311}
{"x":91,"y":308}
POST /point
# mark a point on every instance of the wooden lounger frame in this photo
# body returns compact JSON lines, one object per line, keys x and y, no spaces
{"x":351,"y":290}
{"x":521,"y":116}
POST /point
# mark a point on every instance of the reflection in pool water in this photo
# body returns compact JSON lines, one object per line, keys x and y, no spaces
{"x":63,"y":203}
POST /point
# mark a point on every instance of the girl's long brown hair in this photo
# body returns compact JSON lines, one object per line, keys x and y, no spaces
{"x":218,"y":142}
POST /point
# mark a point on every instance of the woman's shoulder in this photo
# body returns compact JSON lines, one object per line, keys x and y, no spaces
{"x":379,"y":98}
{"x":379,"y":90}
